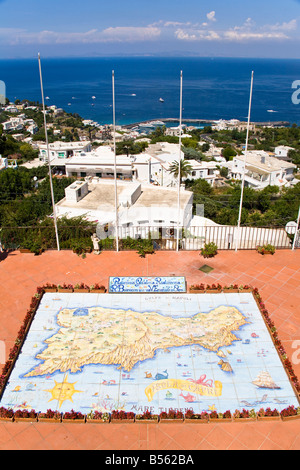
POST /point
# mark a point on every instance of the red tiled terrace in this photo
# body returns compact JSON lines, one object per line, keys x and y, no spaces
{"x":278,"y":280}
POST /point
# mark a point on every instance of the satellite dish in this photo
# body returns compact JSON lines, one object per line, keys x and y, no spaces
{"x":291,"y":228}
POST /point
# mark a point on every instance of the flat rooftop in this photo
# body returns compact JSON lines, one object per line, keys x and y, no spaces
{"x":103,"y":195}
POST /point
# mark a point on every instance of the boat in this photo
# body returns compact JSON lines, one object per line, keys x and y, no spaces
{"x":133,"y":94}
{"x":93,"y":97}
{"x":146,"y":125}
{"x":158,"y":123}
{"x":264,"y":380}
{"x":271,"y":111}
{"x":47,"y":98}
{"x":161,"y":100}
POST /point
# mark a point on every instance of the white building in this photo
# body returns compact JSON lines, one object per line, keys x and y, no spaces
{"x":3,"y":163}
{"x":61,"y":151}
{"x":14,"y":124}
{"x":262,"y":170}
{"x":282,"y":151}
{"x":139,"y":206}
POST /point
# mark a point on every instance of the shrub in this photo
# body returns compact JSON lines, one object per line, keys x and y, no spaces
{"x":209,"y":250}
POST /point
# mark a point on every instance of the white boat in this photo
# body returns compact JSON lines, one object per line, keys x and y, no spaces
{"x":271,"y":111}
{"x":133,"y":94}
{"x":146,"y":125}
{"x":47,"y":98}
{"x":93,"y":97}
{"x":158,"y":123}
{"x":161,"y":100}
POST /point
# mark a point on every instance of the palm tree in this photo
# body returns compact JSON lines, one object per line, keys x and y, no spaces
{"x":185,"y":169}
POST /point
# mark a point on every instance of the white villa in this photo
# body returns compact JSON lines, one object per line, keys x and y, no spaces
{"x":60,"y":151}
{"x":262,"y":170}
{"x":139,"y":205}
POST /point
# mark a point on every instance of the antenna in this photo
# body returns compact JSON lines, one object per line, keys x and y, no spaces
{"x":244,"y":171}
{"x":179,"y":163}
{"x":115,"y":162}
{"x":48,"y":153}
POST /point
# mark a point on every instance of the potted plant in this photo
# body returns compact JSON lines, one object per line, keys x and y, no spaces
{"x":6,"y":414}
{"x":146,"y":417}
{"x":214,"y":288}
{"x":268,"y":414}
{"x":171,"y":416}
{"x":49,"y":416}
{"x":197,"y":288}
{"x":233,"y":288}
{"x":245,"y":288}
{"x":50,"y":287}
{"x":218,"y":417}
{"x":25,"y":415}
{"x":290,"y":413}
{"x":97,"y":289}
{"x":81,"y":288}
{"x":244,"y":415}
{"x":209,"y":250}
{"x":65,"y":288}
{"x":191,"y":417}
{"x":267,"y":249}
{"x":73,"y":417}
{"x":120,"y":416}
{"x":97,"y":417}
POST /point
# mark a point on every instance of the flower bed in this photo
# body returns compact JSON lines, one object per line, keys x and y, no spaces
{"x":244,"y":415}
{"x":268,"y":414}
{"x":73,"y":416}
{"x":146,"y":417}
{"x":171,"y":416}
{"x":120,"y":416}
{"x":215,"y":417}
{"x":25,"y":415}
{"x":50,"y":416}
{"x":97,"y":417}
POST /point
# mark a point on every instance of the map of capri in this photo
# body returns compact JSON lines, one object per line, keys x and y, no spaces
{"x":147,"y":351}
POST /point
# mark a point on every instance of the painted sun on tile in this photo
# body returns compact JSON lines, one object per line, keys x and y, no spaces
{"x":138,"y":352}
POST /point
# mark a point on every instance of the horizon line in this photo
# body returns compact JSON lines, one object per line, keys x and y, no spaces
{"x":148,"y":56}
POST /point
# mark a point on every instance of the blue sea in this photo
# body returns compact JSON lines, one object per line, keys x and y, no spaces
{"x":213,"y":89}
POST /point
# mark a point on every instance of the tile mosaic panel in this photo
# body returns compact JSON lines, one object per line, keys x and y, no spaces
{"x":148,"y":351}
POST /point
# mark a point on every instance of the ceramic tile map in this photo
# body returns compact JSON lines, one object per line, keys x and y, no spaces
{"x":147,"y":284}
{"x":148,"y":351}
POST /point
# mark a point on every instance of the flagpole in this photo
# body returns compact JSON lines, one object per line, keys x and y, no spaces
{"x":48,"y":153}
{"x":115,"y":162}
{"x":296,"y":233}
{"x":179,"y":163}
{"x":244,"y":171}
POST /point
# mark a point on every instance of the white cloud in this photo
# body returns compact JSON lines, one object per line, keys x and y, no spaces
{"x":197,"y":35}
{"x":248,"y":31}
{"x":233,"y":35}
{"x":116,"y":34}
{"x":211,"y":16}
{"x":290,"y":26}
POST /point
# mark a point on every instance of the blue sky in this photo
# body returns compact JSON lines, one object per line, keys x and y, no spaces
{"x":232,"y":28}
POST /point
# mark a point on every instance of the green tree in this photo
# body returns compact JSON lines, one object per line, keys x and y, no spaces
{"x":185,"y":169}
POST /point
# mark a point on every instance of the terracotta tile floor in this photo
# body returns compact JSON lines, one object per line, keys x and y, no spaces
{"x":278,"y":279}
